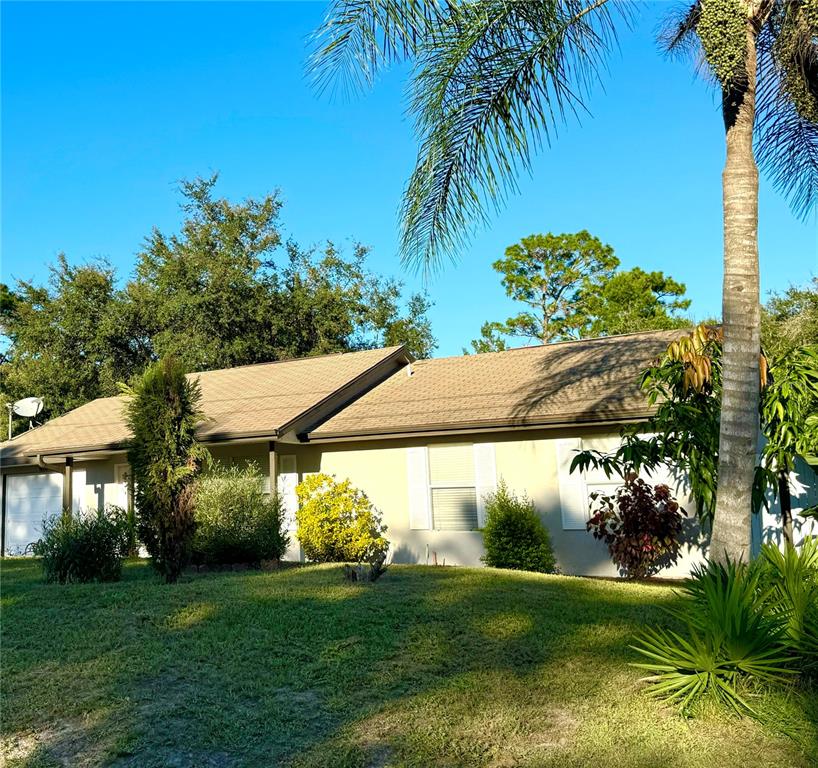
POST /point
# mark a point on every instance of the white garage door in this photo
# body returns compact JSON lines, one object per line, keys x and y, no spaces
{"x":29,"y":500}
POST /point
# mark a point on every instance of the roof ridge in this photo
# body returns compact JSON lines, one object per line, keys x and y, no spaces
{"x":391,"y":348}
{"x":530,"y":347}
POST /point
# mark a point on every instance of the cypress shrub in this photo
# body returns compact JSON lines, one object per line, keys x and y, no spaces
{"x":163,"y":413}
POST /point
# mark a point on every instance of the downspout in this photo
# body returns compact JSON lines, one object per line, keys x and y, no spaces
{"x":42,"y":465}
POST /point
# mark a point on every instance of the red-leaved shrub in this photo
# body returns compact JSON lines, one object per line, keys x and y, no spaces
{"x":641,"y":524}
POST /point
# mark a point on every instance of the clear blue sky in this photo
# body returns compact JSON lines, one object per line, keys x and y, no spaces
{"x":106,"y":106}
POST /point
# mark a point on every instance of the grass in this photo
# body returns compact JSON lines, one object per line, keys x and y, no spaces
{"x":429,"y":666}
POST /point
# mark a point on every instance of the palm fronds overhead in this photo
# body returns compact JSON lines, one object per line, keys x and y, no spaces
{"x":493,"y":80}
{"x":496,"y":86}
{"x":787,"y":116}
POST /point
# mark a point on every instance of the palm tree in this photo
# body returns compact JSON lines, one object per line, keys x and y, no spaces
{"x":491,"y":81}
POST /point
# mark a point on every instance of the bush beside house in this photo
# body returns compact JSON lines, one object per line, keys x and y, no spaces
{"x":84,"y":547}
{"x":514,"y":536}
{"x":641,"y":524}
{"x":236,"y":522}
{"x":337,"y":523}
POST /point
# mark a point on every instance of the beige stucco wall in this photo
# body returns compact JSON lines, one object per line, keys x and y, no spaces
{"x":527,"y":461}
{"x":94,"y":483}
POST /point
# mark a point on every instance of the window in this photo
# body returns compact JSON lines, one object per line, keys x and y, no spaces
{"x":452,"y":487}
{"x":448,"y":485}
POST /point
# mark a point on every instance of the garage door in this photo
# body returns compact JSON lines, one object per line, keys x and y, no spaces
{"x":29,"y":500}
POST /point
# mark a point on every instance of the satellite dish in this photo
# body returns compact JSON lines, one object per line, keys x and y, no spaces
{"x":28,"y":407}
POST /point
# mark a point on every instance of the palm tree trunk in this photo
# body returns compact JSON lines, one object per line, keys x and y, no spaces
{"x":741,"y":316}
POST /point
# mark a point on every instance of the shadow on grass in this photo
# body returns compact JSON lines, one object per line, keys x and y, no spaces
{"x":427,"y":666}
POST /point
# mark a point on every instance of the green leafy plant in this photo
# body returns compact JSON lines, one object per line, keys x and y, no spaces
{"x":162,"y":412}
{"x":641,"y":524}
{"x":338,"y":523}
{"x":789,"y":403}
{"x":685,"y":386}
{"x":84,"y":547}
{"x":514,"y":536}
{"x":792,"y":597}
{"x":729,"y":641}
{"x":235,"y":521}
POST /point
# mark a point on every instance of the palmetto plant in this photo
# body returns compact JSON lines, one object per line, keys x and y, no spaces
{"x":493,"y":79}
{"x":792,"y":597}
{"x":729,"y":640}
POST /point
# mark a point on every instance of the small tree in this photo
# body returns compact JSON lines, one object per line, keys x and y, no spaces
{"x":162,"y":412}
{"x":789,"y":420}
{"x":686,"y":386}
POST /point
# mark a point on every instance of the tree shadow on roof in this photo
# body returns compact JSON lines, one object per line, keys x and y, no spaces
{"x":586,"y":381}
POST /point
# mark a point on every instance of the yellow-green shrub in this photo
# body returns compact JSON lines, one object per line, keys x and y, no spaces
{"x":337,"y":522}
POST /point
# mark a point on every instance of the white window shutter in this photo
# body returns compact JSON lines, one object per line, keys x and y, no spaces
{"x":573,"y":496}
{"x":485,"y":473}
{"x":78,"y":490}
{"x":287,"y":481}
{"x":417,"y":473}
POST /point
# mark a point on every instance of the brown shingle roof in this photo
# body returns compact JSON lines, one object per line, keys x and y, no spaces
{"x":249,"y":400}
{"x":570,"y":382}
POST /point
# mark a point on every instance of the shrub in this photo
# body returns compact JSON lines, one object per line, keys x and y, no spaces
{"x":514,"y":536}
{"x":84,"y":547}
{"x":162,"y":414}
{"x":641,"y":526}
{"x":729,"y":640}
{"x":791,"y":595}
{"x":235,"y":521}
{"x":337,"y":522}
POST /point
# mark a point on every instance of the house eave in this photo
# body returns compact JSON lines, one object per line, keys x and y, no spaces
{"x":470,"y":427}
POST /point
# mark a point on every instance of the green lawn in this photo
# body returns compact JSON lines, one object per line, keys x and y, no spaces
{"x":427,"y":667}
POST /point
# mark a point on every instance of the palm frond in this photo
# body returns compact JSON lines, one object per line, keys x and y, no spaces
{"x":360,"y":37}
{"x":787,"y":106}
{"x":729,"y":640}
{"x":494,"y":86}
{"x":677,"y":34}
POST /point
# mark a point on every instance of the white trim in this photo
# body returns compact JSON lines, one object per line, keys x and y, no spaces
{"x":485,"y":477}
{"x":417,"y":480}
{"x":286,"y":482}
{"x":573,"y":490}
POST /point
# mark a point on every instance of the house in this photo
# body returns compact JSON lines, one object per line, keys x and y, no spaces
{"x":425,"y":439}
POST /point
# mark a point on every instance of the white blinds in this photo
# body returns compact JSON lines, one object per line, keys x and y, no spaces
{"x":455,"y":509}
{"x":451,"y":465}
